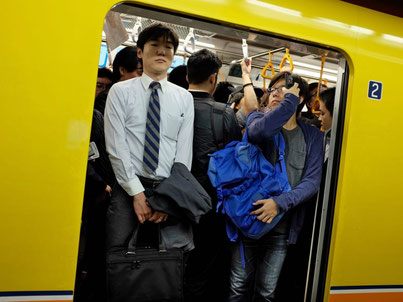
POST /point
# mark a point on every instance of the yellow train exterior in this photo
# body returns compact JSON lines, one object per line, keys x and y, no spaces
{"x":49,"y":55}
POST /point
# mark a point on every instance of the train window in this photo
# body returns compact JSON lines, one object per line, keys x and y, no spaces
{"x":312,"y":62}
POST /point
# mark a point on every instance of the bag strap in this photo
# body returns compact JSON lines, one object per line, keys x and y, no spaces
{"x":131,"y":248}
{"x":280,"y":147}
{"x":217,"y":123}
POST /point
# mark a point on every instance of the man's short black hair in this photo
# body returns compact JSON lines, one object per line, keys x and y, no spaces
{"x":126,"y":58}
{"x":201,"y":65}
{"x":156,"y":31}
{"x":302,"y":85}
{"x":327,"y":97}
{"x":223,"y":91}
{"x":105,"y":73}
{"x":314,"y":85}
{"x":178,"y":76}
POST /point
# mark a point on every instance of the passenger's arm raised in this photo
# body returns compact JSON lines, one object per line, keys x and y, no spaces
{"x":250,"y":99}
{"x":264,"y":126}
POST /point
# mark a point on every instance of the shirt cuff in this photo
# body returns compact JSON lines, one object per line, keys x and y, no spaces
{"x":133,"y":186}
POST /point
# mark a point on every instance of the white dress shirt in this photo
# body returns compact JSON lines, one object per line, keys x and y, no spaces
{"x":125,"y":124}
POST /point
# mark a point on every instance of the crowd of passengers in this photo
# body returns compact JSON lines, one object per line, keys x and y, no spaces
{"x":145,"y":122}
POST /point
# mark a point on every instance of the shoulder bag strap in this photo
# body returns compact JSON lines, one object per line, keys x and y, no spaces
{"x":217,"y":123}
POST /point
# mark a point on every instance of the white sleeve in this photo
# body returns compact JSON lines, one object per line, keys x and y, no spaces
{"x":184,"y":147}
{"x":115,"y":140}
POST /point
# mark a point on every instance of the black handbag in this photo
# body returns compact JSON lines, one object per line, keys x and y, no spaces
{"x":140,"y":274}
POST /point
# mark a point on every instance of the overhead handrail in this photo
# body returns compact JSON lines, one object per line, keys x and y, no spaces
{"x":285,"y":58}
{"x":316,"y":103}
{"x":136,"y":30}
{"x":262,"y":54}
{"x":264,"y":70}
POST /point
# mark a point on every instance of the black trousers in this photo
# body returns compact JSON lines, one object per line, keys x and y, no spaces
{"x":207,"y":269}
{"x":121,"y":220}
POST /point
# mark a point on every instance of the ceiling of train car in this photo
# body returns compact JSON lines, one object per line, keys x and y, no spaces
{"x":226,"y":41}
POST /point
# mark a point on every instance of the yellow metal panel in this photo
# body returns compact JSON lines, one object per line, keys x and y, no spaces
{"x":49,"y":57}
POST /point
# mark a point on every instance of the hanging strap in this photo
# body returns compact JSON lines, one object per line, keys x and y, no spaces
{"x":280,"y":147}
{"x":285,"y":58}
{"x":221,"y":76}
{"x":264,"y":70}
{"x":217,"y":123}
{"x":316,"y":103}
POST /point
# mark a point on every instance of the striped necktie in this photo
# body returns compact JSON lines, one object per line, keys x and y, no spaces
{"x":152,"y":135}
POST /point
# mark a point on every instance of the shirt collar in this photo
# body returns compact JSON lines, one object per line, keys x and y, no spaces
{"x":146,"y":81}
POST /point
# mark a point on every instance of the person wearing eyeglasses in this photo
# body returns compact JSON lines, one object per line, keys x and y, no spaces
{"x":264,"y":257}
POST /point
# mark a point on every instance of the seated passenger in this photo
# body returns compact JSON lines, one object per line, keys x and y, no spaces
{"x":303,"y":153}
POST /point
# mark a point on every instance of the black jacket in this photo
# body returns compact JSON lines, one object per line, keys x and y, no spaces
{"x":203,"y":139}
{"x":180,"y":195}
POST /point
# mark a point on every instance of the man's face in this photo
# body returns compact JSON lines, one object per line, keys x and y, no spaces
{"x":157,"y":56}
{"x":313,"y":97}
{"x":325,"y":117}
{"x":276,"y":96}
{"x":125,"y":75}
{"x":102,"y":85}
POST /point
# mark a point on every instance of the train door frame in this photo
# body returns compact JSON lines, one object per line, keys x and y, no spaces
{"x":323,"y":228}
{"x":322,"y":232}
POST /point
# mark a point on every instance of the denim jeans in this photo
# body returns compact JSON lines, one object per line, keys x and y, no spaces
{"x":263,"y":262}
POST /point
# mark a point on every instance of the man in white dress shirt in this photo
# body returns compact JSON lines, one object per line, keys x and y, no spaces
{"x":148,"y":127}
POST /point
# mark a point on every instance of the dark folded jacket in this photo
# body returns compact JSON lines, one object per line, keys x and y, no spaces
{"x":181,"y":195}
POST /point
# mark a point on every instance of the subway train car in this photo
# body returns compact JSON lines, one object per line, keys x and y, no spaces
{"x":50,"y":53}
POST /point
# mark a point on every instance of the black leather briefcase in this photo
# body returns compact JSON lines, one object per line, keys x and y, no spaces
{"x":140,"y":274}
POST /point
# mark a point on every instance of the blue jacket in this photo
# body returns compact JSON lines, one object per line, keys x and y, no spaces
{"x":261,"y":128}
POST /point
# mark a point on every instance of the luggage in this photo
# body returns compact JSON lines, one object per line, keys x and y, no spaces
{"x":140,"y":274}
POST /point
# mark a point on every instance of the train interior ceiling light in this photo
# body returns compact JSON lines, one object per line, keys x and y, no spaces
{"x":226,"y":42}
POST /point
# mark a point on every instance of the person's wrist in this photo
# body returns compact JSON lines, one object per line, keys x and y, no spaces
{"x":247,"y":84}
{"x":246,"y":77}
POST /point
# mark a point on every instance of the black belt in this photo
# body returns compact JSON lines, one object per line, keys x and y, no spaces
{"x":148,"y":182}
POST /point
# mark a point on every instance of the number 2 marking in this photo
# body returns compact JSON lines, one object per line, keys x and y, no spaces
{"x":375,"y":90}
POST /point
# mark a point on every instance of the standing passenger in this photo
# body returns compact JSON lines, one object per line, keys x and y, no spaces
{"x":148,"y":127}
{"x":127,"y":64}
{"x":326,"y":115}
{"x":207,"y":269}
{"x":303,"y":153}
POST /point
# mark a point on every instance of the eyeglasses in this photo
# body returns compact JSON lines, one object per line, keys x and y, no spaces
{"x":279,"y":89}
